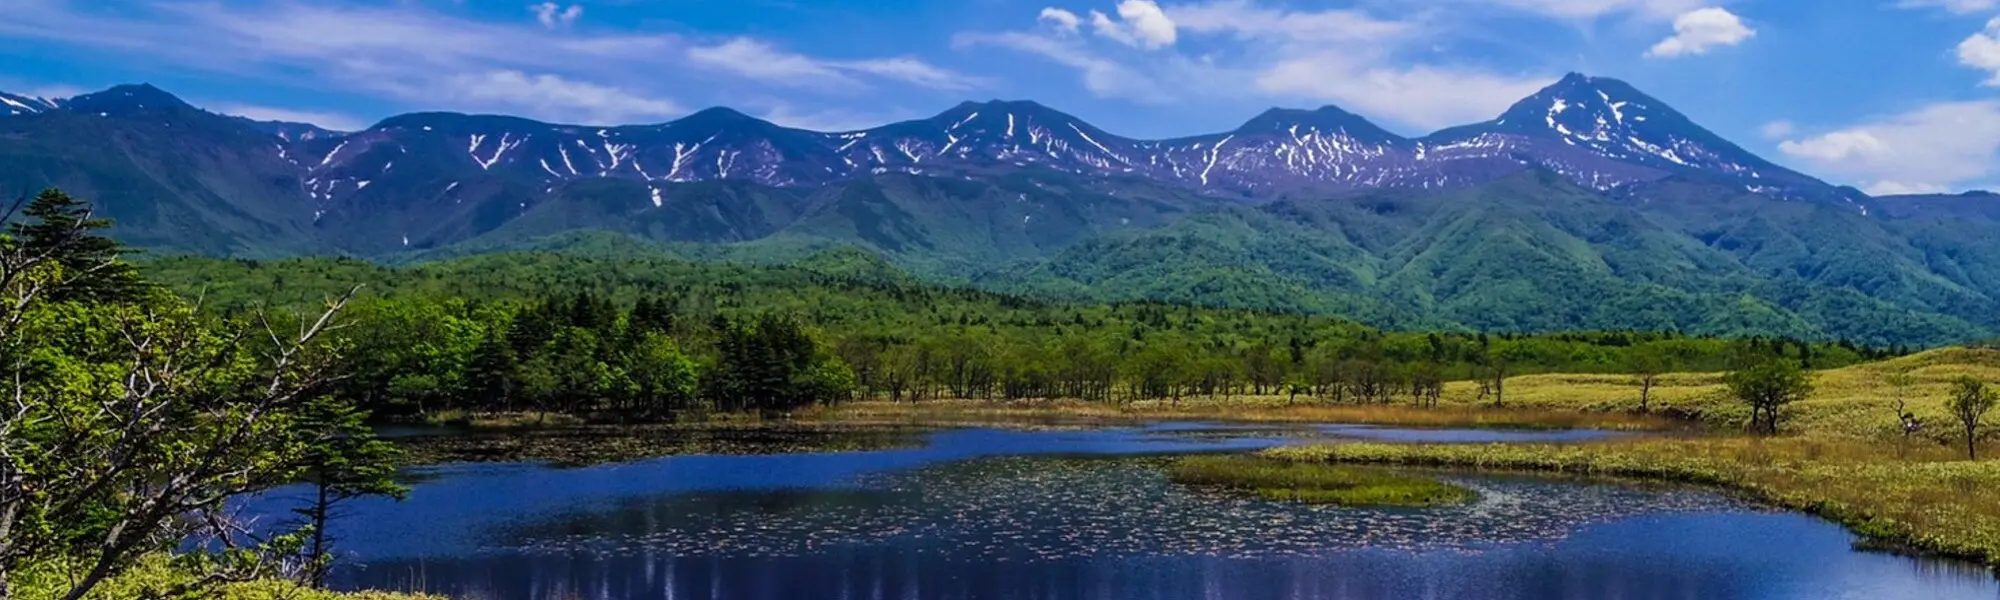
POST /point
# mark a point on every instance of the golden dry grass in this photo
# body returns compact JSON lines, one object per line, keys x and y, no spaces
{"x":1855,"y":401}
{"x":1918,"y":496}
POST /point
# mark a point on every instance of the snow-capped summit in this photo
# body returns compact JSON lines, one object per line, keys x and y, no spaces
{"x":1603,"y":133}
{"x":11,"y":104}
{"x":1329,"y":118}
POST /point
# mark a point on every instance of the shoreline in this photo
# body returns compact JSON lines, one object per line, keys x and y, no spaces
{"x":1923,"y":507}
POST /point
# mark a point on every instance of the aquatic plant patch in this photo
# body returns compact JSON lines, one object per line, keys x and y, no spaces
{"x":1315,"y":483}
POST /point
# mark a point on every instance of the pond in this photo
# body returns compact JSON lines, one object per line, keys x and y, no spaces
{"x":1006,"y":514}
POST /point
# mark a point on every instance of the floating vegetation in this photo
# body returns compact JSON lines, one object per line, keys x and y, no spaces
{"x":594,"y":445}
{"x":1315,"y":483}
{"x":1038,"y":509}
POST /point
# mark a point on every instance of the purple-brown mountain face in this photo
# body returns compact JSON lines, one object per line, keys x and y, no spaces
{"x":410,"y":172}
{"x":1601,"y":133}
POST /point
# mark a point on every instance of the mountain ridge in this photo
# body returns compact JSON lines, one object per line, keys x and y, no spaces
{"x":1587,"y":205}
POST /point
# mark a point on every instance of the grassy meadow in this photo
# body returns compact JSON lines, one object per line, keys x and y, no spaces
{"x":1856,"y":401}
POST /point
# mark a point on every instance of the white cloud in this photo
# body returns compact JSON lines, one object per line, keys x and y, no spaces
{"x":431,"y":60}
{"x":1697,"y":31}
{"x":915,"y":72}
{"x":1936,"y":147}
{"x":1982,"y":51}
{"x":1280,"y":55}
{"x":1062,"y":20}
{"x":1586,"y":10}
{"x":1896,"y":188}
{"x":821,"y":118}
{"x":761,"y":61}
{"x":1425,"y":96}
{"x":1101,"y":77}
{"x":552,"y":15}
{"x":328,"y":120}
{"x":587,"y":103}
{"x":1777,"y":129}
{"x":758,"y":60}
{"x":1961,"y":7}
{"x":1247,"y":20}
{"x":1140,"y":24}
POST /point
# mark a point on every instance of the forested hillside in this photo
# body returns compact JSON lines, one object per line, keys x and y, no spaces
{"x":654,"y":336}
{"x":1586,"y":206}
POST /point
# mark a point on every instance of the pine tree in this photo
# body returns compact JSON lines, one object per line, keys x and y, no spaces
{"x":62,"y":228}
{"x":343,"y":461}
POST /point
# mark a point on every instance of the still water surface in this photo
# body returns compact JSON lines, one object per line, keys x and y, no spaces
{"x":979,"y":513}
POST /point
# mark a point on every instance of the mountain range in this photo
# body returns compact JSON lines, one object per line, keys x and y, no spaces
{"x":1589,"y":204}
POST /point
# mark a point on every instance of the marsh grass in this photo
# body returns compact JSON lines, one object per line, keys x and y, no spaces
{"x":153,"y":575}
{"x":1314,"y":483}
{"x":603,"y":444}
{"x":1920,"y":499}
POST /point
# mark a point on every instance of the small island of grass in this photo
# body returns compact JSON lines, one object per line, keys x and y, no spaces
{"x":1315,"y":483}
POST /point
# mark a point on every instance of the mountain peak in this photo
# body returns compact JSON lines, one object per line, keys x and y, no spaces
{"x":11,"y":104}
{"x":127,"y":99}
{"x":720,"y":117}
{"x":1327,"y":118}
{"x":1019,"y":108}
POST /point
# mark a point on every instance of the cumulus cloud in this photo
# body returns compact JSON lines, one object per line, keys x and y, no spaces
{"x":1697,"y":31}
{"x":1982,"y":51}
{"x":327,"y":120}
{"x":1101,"y":76}
{"x":1140,"y":24}
{"x":1936,"y":147}
{"x":552,"y":15}
{"x":1777,"y":129}
{"x":1062,"y":20}
{"x":1961,"y":7}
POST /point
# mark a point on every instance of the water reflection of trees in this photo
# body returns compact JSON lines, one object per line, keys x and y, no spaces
{"x":1049,"y":528}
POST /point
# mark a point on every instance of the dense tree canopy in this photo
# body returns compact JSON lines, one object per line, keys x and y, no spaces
{"x":650,"y":338}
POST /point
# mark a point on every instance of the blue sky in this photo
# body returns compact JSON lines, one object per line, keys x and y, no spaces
{"x":1888,"y":95}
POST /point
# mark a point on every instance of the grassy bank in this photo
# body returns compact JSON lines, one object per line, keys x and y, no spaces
{"x":152,"y":577}
{"x":1908,"y":497}
{"x":1313,"y":482}
{"x":1251,"y":409}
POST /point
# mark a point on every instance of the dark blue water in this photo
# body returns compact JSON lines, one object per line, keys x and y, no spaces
{"x":1085,"y":514}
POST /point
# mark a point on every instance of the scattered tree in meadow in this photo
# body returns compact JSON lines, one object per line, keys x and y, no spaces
{"x":1969,"y":403}
{"x":1646,"y":366}
{"x":1906,"y":421}
{"x":1768,"y":386}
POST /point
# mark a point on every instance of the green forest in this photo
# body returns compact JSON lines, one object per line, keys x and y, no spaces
{"x":651,"y":338}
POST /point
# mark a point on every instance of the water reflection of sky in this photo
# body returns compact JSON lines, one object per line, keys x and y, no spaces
{"x":1035,"y":520}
